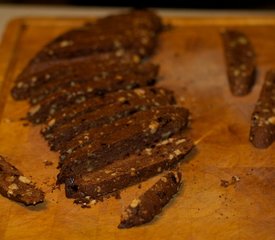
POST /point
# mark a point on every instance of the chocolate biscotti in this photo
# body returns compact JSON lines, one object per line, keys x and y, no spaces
{"x":100,"y":147}
{"x":100,"y":80}
{"x":92,"y":88}
{"x":240,"y":62}
{"x":97,"y":66}
{"x":144,"y":76}
{"x":262,"y":131}
{"x":109,"y":34}
{"x":27,"y":83}
{"x":137,"y":36}
{"x":142,"y":99}
{"x":76,"y":110}
{"x":129,"y":171}
{"x":16,"y":187}
{"x":144,"y":208}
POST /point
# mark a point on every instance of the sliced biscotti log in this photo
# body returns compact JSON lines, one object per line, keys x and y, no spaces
{"x":76,"y":94}
{"x":99,"y":79}
{"x":240,"y":62}
{"x":102,"y":146}
{"x":142,"y":99}
{"x":76,"y":110}
{"x":27,"y":83}
{"x":16,"y":187}
{"x":129,"y":171}
{"x":144,"y":208}
{"x":262,"y":131}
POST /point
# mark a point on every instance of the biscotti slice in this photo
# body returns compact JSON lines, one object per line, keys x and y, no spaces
{"x":102,"y":146}
{"x":16,"y":187}
{"x":142,"y":100}
{"x":104,"y":36}
{"x":76,"y":110}
{"x":106,"y":39}
{"x":87,"y":41}
{"x":27,"y":83}
{"x":99,"y":79}
{"x":129,"y":171}
{"x":240,"y":62}
{"x":144,"y":208}
{"x":262,"y":131}
{"x":56,"y":101}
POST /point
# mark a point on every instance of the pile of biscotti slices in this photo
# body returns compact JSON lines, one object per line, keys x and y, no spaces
{"x":92,"y":88}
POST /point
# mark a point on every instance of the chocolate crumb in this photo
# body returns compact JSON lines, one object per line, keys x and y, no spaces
{"x":234,"y":180}
{"x":48,"y":163}
{"x":225,"y":183}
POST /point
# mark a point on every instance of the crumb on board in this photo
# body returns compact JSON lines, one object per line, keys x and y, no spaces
{"x":85,"y":202}
{"x":47,"y":163}
{"x":234,"y":180}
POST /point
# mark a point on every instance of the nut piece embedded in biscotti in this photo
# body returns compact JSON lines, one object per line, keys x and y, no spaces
{"x":262,"y":130}
{"x":143,"y":209}
{"x":17,"y":187}
{"x":240,"y":62}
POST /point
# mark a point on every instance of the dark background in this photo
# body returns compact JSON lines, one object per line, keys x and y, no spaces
{"x":212,"y":4}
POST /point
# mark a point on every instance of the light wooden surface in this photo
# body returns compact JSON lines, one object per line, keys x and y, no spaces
{"x":192,"y":65}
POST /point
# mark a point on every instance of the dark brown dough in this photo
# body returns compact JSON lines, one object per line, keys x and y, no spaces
{"x":143,"y":99}
{"x":16,"y":187}
{"x":240,"y":62}
{"x":262,"y":131}
{"x":131,"y":170}
{"x":102,"y":146}
{"x":145,"y":75}
{"x":144,"y":208}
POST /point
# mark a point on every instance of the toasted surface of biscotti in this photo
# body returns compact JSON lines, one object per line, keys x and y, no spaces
{"x":109,"y":34}
{"x":240,"y":62}
{"x":76,"y":110}
{"x":138,"y":36}
{"x":144,"y":208}
{"x":108,"y":79}
{"x":142,"y":99}
{"x":76,"y":94}
{"x":102,"y":146}
{"x":28,"y":83}
{"x":17,"y":187}
{"x":131,"y":170}
{"x":262,"y":130}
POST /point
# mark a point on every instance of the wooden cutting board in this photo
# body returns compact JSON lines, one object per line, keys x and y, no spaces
{"x":192,"y":64}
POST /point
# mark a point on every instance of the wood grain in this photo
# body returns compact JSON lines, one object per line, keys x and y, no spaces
{"x":192,"y":65}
